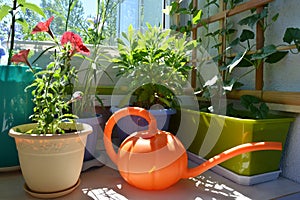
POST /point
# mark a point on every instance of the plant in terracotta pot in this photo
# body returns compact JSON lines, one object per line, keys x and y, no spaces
{"x":51,"y":149}
{"x":155,"y":64}
{"x":13,"y":80}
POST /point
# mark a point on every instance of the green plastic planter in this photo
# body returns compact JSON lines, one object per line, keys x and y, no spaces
{"x":15,"y":108}
{"x":217,"y":133}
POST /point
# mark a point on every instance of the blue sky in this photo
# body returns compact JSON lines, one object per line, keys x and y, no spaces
{"x":89,"y":5}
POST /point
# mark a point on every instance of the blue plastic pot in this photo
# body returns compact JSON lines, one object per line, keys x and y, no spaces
{"x":131,"y":124}
{"x":15,"y":108}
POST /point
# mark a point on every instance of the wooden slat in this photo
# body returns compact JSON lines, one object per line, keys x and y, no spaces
{"x":194,"y":54}
{"x":260,"y":40}
{"x":236,"y":10}
{"x":279,"y":97}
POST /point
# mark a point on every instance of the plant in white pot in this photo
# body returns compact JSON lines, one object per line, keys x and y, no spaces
{"x":51,"y":149}
{"x":155,"y":64}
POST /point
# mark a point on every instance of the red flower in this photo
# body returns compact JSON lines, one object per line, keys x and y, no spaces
{"x":43,"y":27}
{"x":76,"y":42}
{"x":22,"y":56}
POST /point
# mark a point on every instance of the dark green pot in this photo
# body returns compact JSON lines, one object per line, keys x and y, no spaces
{"x":15,"y":108}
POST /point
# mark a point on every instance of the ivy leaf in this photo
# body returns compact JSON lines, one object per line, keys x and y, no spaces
{"x":246,"y":35}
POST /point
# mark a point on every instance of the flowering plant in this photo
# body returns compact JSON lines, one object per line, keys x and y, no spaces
{"x":52,"y":84}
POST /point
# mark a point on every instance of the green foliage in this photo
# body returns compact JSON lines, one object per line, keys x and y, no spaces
{"x":69,"y":14}
{"x":292,"y":36}
{"x":157,"y":63}
{"x":17,"y":12}
{"x":249,"y":57}
{"x":103,"y":25}
{"x":256,"y":107}
{"x":50,"y":89}
{"x":95,"y":65}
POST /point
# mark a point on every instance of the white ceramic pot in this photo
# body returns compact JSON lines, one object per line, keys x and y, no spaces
{"x":50,"y":163}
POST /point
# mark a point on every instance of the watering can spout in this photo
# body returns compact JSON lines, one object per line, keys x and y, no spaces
{"x":240,"y":149}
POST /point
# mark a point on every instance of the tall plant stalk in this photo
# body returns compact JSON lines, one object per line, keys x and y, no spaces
{"x":11,"y":36}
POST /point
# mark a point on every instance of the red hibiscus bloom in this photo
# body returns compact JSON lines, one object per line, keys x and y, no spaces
{"x":22,"y":56}
{"x":43,"y":27}
{"x":76,"y":42}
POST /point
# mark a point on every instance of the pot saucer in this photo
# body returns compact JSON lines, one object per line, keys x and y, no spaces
{"x":9,"y":169}
{"x":45,"y":195}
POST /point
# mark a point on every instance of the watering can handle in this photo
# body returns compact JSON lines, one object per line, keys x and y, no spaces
{"x":152,"y":130}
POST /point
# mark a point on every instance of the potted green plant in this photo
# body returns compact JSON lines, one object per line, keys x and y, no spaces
{"x":51,"y":149}
{"x":217,"y":130}
{"x":92,"y":68}
{"x":154,"y":64}
{"x":15,"y":104}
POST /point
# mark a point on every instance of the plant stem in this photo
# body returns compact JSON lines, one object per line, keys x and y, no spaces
{"x":68,"y":15}
{"x":12,"y":29}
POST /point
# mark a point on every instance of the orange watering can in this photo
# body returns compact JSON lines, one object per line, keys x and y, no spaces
{"x":154,"y":160}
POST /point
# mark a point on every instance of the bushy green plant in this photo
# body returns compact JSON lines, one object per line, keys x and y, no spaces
{"x":157,"y":63}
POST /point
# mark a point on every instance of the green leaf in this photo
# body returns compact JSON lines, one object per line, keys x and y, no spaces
{"x":23,"y":23}
{"x":291,"y":35}
{"x":276,"y":57}
{"x":264,"y":52}
{"x":4,"y":10}
{"x":253,"y":19}
{"x":246,"y":62}
{"x":248,"y":100}
{"x":197,"y":17}
{"x":246,"y":35}
{"x":34,"y":8}
{"x":275,"y":17}
{"x":236,"y":61}
{"x":234,"y":42}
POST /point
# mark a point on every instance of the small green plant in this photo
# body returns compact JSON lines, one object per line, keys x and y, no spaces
{"x":51,"y":86}
{"x":157,"y":64}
